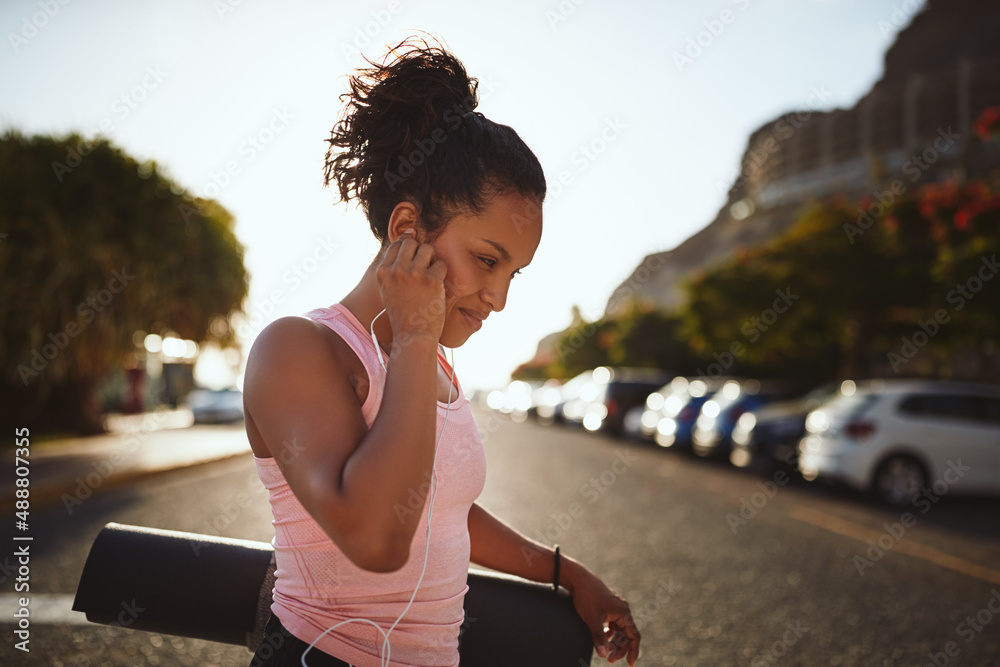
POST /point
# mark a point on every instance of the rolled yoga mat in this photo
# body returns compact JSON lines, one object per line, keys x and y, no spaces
{"x":219,"y":589}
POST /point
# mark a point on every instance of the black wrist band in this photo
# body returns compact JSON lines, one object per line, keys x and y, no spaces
{"x":555,"y":574}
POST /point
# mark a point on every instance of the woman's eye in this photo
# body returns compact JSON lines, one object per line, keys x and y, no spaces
{"x":490,"y":262}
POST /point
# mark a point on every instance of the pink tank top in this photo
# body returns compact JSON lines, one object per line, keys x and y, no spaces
{"x":317,"y":586}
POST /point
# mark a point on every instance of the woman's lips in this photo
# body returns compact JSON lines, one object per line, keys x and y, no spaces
{"x":475,"y":323}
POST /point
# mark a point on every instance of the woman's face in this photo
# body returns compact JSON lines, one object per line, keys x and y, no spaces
{"x":483,"y":253}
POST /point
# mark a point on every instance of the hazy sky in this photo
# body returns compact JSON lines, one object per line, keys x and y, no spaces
{"x":641,"y":109}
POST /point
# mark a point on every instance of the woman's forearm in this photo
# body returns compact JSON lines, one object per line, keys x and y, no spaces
{"x":499,"y":547}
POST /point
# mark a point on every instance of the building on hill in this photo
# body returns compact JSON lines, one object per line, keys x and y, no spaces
{"x":914,"y":125}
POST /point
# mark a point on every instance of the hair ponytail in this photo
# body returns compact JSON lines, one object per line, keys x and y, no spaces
{"x":409,"y":131}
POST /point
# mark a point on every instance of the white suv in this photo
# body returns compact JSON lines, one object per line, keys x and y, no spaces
{"x":904,"y":438}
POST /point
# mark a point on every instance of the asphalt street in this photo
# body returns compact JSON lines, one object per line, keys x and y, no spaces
{"x":721,"y":566}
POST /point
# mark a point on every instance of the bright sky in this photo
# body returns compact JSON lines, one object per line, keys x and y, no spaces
{"x":203,"y":87}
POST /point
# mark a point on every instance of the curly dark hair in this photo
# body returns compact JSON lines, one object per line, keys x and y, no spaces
{"x":409,"y":132}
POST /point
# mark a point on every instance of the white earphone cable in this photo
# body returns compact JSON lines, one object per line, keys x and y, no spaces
{"x":386,"y":646}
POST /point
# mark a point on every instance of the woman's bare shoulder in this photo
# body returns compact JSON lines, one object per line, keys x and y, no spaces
{"x":303,"y":340}
{"x":303,"y":357}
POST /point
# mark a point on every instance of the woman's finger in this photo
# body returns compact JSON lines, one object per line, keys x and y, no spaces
{"x":617,"y":646}
{"x":403,"y":248}
{"x":392,"y":252}
{"x":600,"y":639}
{"x":626,"y":641}
{"x":424,"y":255}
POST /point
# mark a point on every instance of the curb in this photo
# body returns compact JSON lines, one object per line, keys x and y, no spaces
{"x":46,"y":494}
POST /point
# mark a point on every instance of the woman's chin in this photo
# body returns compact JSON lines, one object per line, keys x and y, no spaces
{"x":455,"y":337}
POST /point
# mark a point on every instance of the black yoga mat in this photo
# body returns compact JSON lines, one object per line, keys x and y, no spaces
{"x":219,"y":589}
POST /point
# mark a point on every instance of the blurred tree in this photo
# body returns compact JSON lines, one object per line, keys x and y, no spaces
{"x":651,"y":338}
{"x":856,"y":288}
{"x":581,"y":347}
{"x":965,"y":304}
{"x":639,"y":337}
{"x":529,"y":372}
{"x":738,"y":320}
{"x":864,"y":278}
{"x":850,"y":289}
{"x":93,"y":248}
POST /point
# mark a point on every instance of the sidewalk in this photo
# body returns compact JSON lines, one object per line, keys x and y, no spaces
{"x":73,"y":469}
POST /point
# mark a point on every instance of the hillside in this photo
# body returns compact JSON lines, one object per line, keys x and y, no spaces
{"x":941,"y":72}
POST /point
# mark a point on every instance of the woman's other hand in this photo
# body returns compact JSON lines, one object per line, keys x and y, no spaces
{"x":606,"y":614}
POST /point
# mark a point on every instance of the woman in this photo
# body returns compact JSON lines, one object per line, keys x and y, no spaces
{"x":356,"y":420}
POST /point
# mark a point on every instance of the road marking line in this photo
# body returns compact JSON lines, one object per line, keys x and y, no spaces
{"x":46,"y":608}
{"x":858,"y":532}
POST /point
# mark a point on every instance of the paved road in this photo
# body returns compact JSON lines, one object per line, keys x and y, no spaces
{"x":722,"y":567}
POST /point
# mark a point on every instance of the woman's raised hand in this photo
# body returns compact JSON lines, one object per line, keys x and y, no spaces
{"x":411,"y":282}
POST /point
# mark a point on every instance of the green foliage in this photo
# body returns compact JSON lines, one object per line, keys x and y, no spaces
{"x":851,"y":289}
{"x":97,"y":247}
{"x":642,"y":337}
{"x":651,"y":338}
{"x":528,"y":372}
{"x":864,"y":284}
{"x":582,"y":347}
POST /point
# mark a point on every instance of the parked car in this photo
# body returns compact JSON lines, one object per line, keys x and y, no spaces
{"x":768,"y":437}
{"x":216,"y":406}
{"x":514,"y":400}
{"x":610,"y":393}
{"x":902,"y":438}
{"x":555,"y":411}
{"x":641,"y":421}
{"x":546,"y":395}
{"x":671,"y":412}
{"x":632,"y":423}
{"x":712,"y":436}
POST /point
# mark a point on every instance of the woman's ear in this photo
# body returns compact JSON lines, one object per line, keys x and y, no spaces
{"x":406,"y":215}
